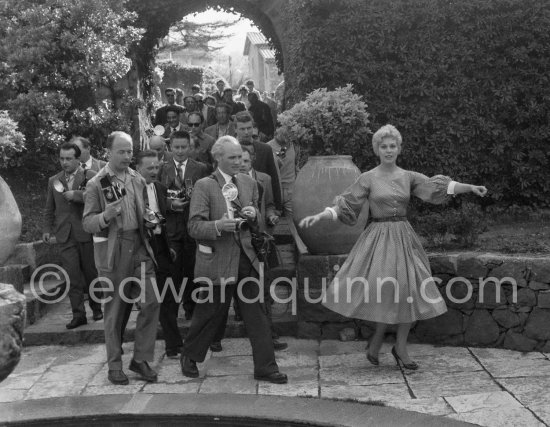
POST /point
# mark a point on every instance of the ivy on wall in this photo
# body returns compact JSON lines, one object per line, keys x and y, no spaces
{"x":466,"y":82}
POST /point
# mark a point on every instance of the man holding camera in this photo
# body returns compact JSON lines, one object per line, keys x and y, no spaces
{"x":220,"y":206}
{"x":179,"y":176}
{"x":113,"y":212}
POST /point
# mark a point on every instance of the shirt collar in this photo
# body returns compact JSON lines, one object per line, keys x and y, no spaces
{"x":88,"y":163}
{"x":184,"y":164}
{"x":111,"y":172}
{"x":225,"y":176}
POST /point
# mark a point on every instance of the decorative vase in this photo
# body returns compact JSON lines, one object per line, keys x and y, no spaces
{"x":10,"y":222}
{"x":318,"y":182}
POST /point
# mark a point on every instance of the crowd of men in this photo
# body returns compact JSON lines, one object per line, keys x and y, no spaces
{"x":169,"y":221}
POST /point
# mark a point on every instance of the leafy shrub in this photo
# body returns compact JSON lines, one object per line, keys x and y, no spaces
{"x":466,"y":82}
{"x":459,"y":227}
{"x":328,"y":123}
{"x":12,"y":142}
{"x":55,"y":56}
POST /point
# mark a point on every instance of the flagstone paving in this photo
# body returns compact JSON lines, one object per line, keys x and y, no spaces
{"x":488,"y":387}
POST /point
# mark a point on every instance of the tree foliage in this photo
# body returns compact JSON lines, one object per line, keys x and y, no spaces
{"x":466,"y":82}
{"x":12,"y":142}
{"x":55,"y":57}
{"x":187,"y":34}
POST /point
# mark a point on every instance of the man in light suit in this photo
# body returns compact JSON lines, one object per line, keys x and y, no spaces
{"x":181,"y":174}
{"x":225,"y":126}
{"x":123,"y":255}
{"x":87,"y":162}
{"x":225,"y":254}
{"x":63,"y":218}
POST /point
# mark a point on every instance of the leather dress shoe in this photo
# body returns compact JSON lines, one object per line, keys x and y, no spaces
{"x":189,"y":367}
{"x":275,"y":378}
{"x":76,"y":322}
{"x":278,"y":345}
{"x":118,"y":377}
{"x":144,"y":370}
{"x":216,"y":346}
{"x":98,"y":315}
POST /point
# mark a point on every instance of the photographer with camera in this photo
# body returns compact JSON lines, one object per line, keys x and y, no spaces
{"x":179,"y":177}
{"x":225,"y":257}
{"x":113,"y":212}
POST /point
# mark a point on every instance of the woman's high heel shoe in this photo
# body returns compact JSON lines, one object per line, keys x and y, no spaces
{"x":412,"y":366}
{"x":372,"y":359}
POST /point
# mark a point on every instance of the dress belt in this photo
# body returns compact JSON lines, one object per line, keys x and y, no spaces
{"x":390,"y":219}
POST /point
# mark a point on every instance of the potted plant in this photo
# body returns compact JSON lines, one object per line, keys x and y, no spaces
{"x":330,"y":128}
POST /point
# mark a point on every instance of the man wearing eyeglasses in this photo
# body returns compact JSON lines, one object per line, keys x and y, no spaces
{"x":201,"y":142}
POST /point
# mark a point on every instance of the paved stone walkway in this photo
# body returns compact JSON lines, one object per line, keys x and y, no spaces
{"x":488,"y":387}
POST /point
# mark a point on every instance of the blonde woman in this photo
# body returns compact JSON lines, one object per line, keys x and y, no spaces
{"x":386,"y":277}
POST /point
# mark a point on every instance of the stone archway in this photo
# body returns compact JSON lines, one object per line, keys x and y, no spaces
{"x":157,"y":16}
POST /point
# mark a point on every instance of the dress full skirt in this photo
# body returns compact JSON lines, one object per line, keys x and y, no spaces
{"x":386,"y":278}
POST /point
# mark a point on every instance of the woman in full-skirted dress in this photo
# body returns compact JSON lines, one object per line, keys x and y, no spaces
{"x":386,"y":277}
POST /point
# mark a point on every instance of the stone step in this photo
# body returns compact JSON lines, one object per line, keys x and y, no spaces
{"x":51,"y":330}
{"x":16,"y":275}
{"x":42,"y":297}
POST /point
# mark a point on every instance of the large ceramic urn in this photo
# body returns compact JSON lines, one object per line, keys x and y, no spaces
{"x":12,"y":303}
{"x":10,"y":222}
{"x":318,"y":182}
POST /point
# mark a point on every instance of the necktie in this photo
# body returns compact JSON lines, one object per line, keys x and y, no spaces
{"x":180,"y":174}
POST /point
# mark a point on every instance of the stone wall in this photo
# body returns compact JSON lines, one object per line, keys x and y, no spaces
{"x":497,"y":313}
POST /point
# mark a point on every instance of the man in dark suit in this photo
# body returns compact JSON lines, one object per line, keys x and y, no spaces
{"x":265,"y":160}
{"x":224,"y":126}
{"x":87,"y":162}
{"x":113,"y":211}
{"x":234,"y":105}
{"x":224,"y":256}
{"x":220,"y":84}
{"x":180,"y":175}
{"x":173,"y":117}
{"x":160,"y":114}
{"x":148,"y":166}
{"x":261,"y":113}
{"x":63,"y":218}
{"x":201,"y":142}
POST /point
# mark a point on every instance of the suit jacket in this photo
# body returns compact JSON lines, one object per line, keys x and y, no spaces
{"x":168,"y":130}
{"x":265,"y":196}
{"x":161,"y":193}
{"x":203,"y":150}
{"x":105,"y":238}
{"x":262,"y":116}
{"x":167,"y":177}
{"x":214,"y":133}
{"x":62,"y":216}
{"x":265,"y":163}
{"x":209,"y":205}
{"x":210,"y":117}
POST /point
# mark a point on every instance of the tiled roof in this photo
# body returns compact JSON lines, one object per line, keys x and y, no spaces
{"x":256,"y":38}
{"x":267,"y":53}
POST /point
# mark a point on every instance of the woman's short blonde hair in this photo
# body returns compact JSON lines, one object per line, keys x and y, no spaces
{"x":387,"y":131}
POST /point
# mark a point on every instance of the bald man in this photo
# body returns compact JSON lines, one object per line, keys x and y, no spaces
{"x":123,"y":256}
{"x":158,"y":143}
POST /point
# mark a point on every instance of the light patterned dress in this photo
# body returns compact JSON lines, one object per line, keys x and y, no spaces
{"x":386,"y":277}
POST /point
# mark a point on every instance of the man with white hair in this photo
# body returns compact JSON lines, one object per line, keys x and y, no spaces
{"x":224,"y":258}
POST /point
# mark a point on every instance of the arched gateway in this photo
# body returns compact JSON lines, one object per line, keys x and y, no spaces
{"x":156,"y":16}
